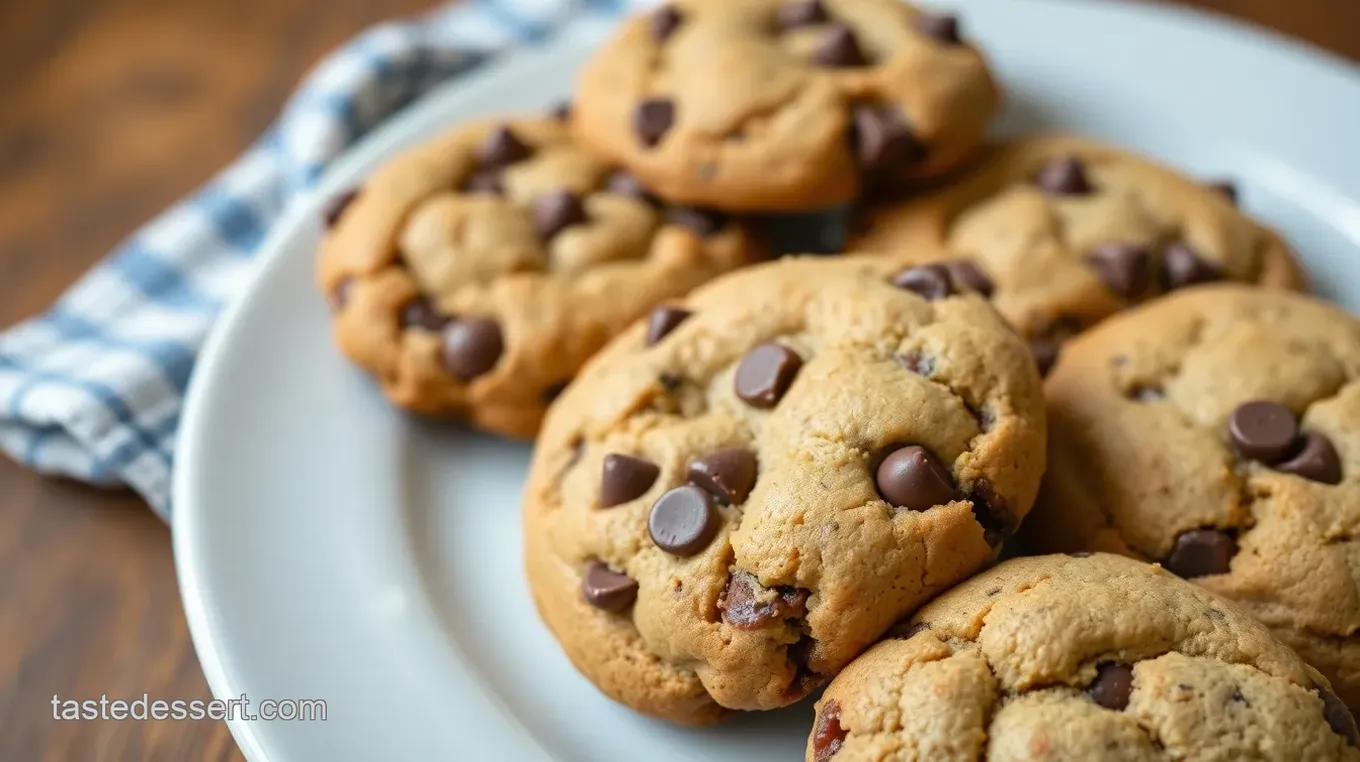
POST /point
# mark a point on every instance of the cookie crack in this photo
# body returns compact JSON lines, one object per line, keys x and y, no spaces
{"x":1152,"y":736}
{"x":896,"y":688}
{"x":757,"y":116}
{"x":992,"y":709}
{"x":1197,"y":339}
{"x":929,"y":377}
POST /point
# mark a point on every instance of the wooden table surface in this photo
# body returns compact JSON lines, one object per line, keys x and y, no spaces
{"x":109,"y":111}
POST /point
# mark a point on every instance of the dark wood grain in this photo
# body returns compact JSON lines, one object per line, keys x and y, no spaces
{"x":109,"y":111}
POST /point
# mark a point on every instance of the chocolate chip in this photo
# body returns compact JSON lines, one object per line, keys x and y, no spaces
{"x":1200,"y":553}
{"x":554,"y":212}
{"x":966,"y":273}
{"x":665,"y":20}
{"x":991,"y":512}
{"x":1182,"y":266}
{"x":669,"y":381}
{"x":335,"y":208}
{"x":683,"y":521}
{"x":1125,"y":267}
{"x":765,"y":374}
{"x":939,"y":27}
{"x":561,"y":111}
{"x":838,"y":48}
{"x":1045,"y":351}
{"x":502,"y":147}
{"x":704,"y":222}
{"x":912,"y":478}
{"x":1315,"y":459}
{"x":796,"y":13}
{"x":728,"y":474}
{"x":1338,"y":716}
{"x":652,"y":119}
{"x":1112,"y":686}
{"x":662,"y":321}
{"x":340,"y":293}
{"x":1263,"y":431}
{"x":827,"y":735}
{"x":1064,"y":176}
{"x":484,"y":181}
{"x":743,"y":606}
{"x":930,"y":282}
{"x":624,"y":478}
{"x":606,"y":589}
{"x":421,"y":313}
{"x":882,"y":140}
{"x":624,"y":184}
{"x":471,"y":347}
{"x":1225,"y":189}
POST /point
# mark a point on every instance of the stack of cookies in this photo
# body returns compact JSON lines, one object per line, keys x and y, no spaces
{"x":752,"y":477}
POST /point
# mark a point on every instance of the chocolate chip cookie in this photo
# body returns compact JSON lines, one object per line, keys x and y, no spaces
{"x":474,"y":274}
{"x":1071,"y":231}
{"x":1218,"y":432}
{"x":784,"y":105}
{"x":1054,"y":659}
{"x":745,"y":489}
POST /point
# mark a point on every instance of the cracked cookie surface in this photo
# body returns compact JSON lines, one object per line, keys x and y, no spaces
{"x":746,"y":489}
{"x":784,"y":105}
{"x":1059,"y":658}
{"x":1218,"y":432}
{"x":473,"y":274}
{"x":1072,"y":231}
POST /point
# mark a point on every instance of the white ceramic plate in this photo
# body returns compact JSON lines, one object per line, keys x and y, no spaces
{"x":331,"y":548}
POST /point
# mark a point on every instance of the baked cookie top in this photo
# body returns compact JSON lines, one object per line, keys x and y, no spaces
{"x":743,"y":491}
{"x":784,"y":105}
{"x":1071,"y":231}
{"x":474,"y":273}
{"x":1218,"y":432}
{"x":1054,"y":658}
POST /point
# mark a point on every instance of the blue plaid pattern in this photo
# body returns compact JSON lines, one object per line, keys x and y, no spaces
{"x":92,"y":389}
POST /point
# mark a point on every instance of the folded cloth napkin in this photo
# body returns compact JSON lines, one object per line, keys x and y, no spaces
{"x":92,"y":388}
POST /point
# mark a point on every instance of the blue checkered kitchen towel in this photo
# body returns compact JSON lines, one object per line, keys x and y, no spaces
{"x":92,"y":388}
